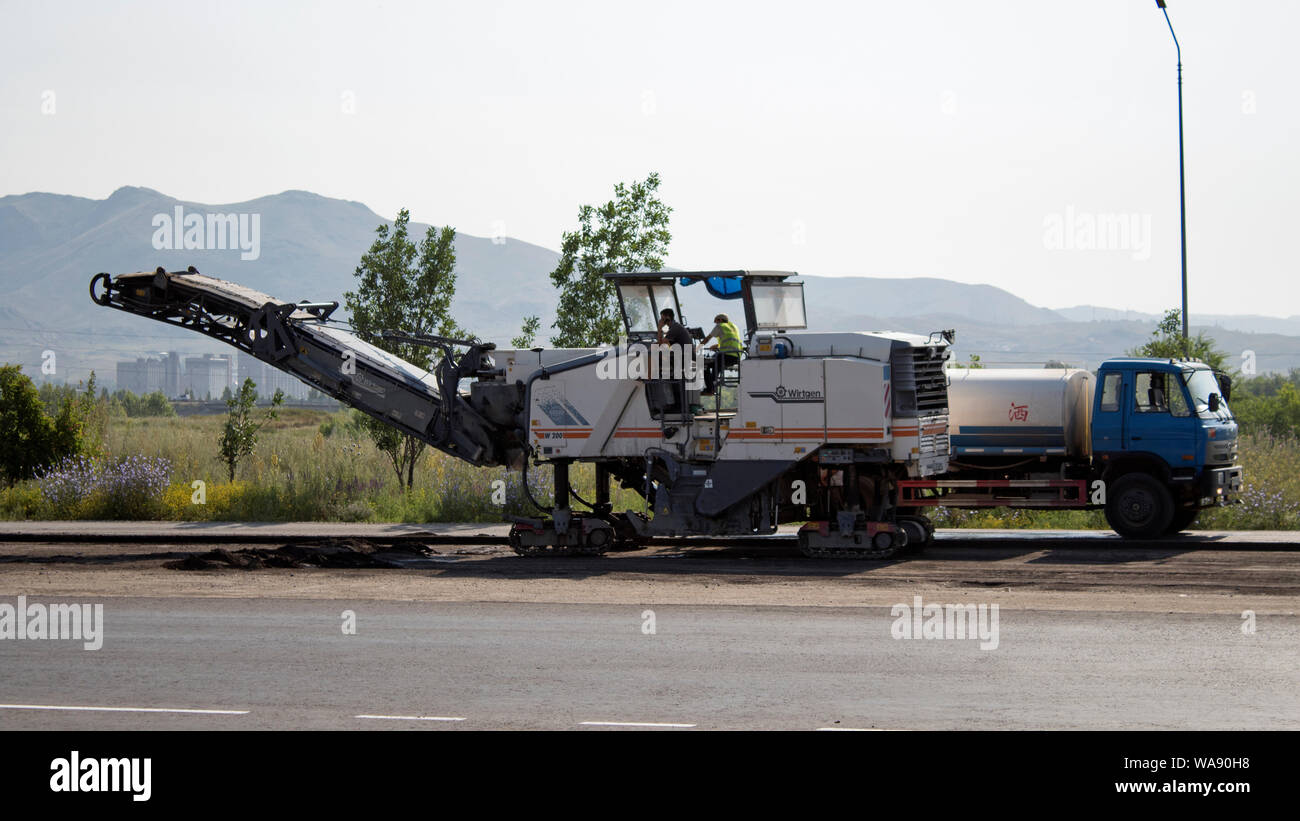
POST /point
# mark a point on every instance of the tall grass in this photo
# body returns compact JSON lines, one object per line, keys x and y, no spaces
{"x":1270,"y":499}
{"x":298,"y":473}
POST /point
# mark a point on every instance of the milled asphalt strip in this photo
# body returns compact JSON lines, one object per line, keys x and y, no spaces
{"x":188,"y":711}
{"x":413,"y":718}
{"x":632,"y":724}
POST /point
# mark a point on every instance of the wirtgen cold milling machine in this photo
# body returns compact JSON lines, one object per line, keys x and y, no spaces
{"x":814,"y":427}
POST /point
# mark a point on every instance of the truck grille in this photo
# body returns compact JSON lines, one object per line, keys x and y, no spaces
{"x":920,"y":384}
{"x":1222,"y":454}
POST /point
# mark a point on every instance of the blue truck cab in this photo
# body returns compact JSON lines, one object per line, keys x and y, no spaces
{"x":1164,"y":443}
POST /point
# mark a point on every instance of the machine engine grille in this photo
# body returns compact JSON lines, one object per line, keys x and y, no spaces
{"x":919,"y":382}
{"x":932,"y":443}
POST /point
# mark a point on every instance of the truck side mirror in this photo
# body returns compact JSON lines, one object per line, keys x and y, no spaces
{"x":1214,"y":402}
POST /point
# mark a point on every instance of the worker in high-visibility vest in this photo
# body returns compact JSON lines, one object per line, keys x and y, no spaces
{"x":727,"y":348}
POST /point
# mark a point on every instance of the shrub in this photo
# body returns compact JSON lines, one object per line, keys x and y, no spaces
{"x":239,"y":436}
{"x":29,"y":438}
{"x":22,"y":501}
{"x":355,"y":512}
{"x":149,"y":404}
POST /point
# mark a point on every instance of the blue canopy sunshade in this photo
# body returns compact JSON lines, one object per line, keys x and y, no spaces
{"x":720,"y":287}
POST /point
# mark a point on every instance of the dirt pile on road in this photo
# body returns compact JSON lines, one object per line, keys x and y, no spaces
{"x":334,"y":553}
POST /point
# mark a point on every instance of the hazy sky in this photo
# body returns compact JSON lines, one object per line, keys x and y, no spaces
{"x":976,"y":141}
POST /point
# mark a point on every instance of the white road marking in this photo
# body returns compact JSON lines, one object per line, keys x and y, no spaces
{"x":632,"y":724}
{"x":852,"y":730}
{"x":124,"y":709}
{"x":414,"y":718}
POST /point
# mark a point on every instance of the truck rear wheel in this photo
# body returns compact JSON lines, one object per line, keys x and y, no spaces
{"x":1139,"y":507}
{"x":919,"y":532}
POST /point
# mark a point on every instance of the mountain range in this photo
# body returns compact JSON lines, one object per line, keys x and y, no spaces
{"x":308,"y":247}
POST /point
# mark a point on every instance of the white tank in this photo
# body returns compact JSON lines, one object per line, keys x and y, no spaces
{"x":995,"y":411}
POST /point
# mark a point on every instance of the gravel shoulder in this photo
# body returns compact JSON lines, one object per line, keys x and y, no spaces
{"x":1035,"y":575}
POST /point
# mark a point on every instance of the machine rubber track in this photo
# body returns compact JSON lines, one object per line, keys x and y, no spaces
{"x":895,"y":548}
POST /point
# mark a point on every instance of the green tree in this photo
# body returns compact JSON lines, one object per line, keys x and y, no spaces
{"x":53,"y":396}
{"x":26,"y":433}
{"x":30,"y":438}
{"x":149,"y":404}
{"x":91,"y":420}
{"x":528,"y":333}
{"x":628,"y":233}
{"x":239,"y":435}
{"x":1276,"y":412}
{"x":408,"y":288}
{"x":80,"y":417}
{"x":1266,"y":385}
{"x":1167,"y":343}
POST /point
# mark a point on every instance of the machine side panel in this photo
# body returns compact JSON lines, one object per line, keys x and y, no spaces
{"x":755,"y":430}
{"x":857,"y":401}
{"x":801,"y":395}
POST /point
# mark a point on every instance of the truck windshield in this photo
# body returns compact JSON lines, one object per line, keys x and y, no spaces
{"x":1200,"y":384}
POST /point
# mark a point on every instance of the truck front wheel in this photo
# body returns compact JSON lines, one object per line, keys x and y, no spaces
{"x":1139,"y":507}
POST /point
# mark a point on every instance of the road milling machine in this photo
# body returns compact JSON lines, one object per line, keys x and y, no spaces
{"x":814,"y":427}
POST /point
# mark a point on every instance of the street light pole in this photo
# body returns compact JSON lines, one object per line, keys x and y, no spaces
{"x":1182,"y":188}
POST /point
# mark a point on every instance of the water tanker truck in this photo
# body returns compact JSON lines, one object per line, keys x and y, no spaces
{"x":1150,"y":441}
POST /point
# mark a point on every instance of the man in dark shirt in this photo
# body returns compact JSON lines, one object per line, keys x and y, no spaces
{"x":672,"y":332}
{"x":676,"y":333}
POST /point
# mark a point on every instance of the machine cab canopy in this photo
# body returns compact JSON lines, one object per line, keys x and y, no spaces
{"x":770,"y":301}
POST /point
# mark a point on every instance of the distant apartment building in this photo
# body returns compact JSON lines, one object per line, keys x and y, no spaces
{"x":171,"y":386}
{"x":268,"y":380}
{"x":207,"y":376}
{"x":204,"y":376}
{"x":142,"y":375}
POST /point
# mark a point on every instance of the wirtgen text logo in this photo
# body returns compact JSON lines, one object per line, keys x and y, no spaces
{"x":77,"y":774}
{"x":946,"y":621}
{"x":81,"y":622}
{"x":208,"y":232}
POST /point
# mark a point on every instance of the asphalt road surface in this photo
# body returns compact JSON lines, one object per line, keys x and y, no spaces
{"x":288,"y":664}
{"x":1191,"y":635}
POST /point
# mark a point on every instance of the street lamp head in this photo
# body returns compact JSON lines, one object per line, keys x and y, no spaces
{"x":1160,"y":4}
